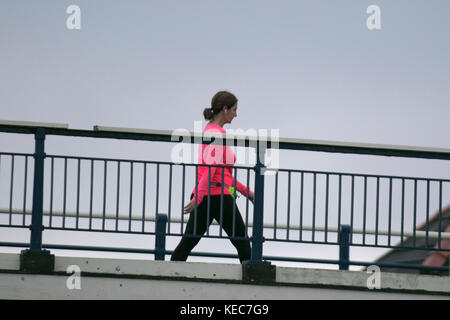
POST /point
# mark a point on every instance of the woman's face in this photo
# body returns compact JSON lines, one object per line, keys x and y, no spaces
{"x":231,"y":113}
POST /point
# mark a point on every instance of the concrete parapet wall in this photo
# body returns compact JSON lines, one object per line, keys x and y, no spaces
{"x":102,"y":278}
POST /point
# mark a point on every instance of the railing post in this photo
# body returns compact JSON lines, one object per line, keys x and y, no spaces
{"x":35,"y":259}
{"x":258,"y":211}
{"x":160,"y":238}
{"x":344,"y":247}
{"x":256,"y":269}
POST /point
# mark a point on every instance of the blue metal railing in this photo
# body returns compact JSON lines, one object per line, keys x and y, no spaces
{"x":106,"y":177}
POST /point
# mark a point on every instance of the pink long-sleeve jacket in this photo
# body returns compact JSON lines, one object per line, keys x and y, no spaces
{"x":221,"y":155}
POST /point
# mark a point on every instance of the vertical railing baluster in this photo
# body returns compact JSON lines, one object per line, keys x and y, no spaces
{"x":195,"y":198}
{"x":11,"y":190}
{"x":169,"y":205}
{"x":428,"y":213}
{"x":144,"y":192}
{"x":326,"y":206}
{"x":352,"y":207}
{"x":234,"y":204}
{"x":78,"y":193}
{"x":247,"y":200}
{"x":377,"y":211}
{"x":403,"y":211}
{"x":182,"y":197}
{"x":390,"y":212}
{"x":288,"y":205}
{"x":105,"y":177}
{"x":301,"y":205}
{"x":222,"y":182}
{"x":314,"y":208}
{"x":415,"y":213}
{"x":91,"y":198}
{"x":440,"y":214}
{"x":25,"y":191}
{"x":157,"y":189}
{"x":275,"y":216}
{"x":130,"y":208}
{"x":52,"y":177}
{"x":65,"y":193}
{"x":0,"y":164}
{"x":208,"y":209}
{"x":117,"y":195}
{"x":365,"y":210}
{"x":340,"y":202}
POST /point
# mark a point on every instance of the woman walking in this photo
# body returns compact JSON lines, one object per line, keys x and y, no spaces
{"x":223,"y":110}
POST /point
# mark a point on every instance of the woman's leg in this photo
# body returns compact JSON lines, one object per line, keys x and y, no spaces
{"x":197,"y":225}
{"x":239,"y":230}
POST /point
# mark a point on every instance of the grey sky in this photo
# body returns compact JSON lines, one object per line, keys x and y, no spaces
{"x":309,"y":68}
{"x":155,"y":64}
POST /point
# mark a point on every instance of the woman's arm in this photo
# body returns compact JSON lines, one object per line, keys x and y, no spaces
{"x":242,"y":188}
{"x":202,"y":188}
{"x":199,"y":194}
{"x":212,"y":155}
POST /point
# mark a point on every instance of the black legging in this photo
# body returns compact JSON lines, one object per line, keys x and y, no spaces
{"x":187,"y":243}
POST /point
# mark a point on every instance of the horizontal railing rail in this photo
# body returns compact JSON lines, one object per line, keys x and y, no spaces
{"x":80,"y":193}
{"x":270,"y":226}
{"x":239,"y":139}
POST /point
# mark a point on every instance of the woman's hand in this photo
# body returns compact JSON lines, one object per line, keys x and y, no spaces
{"x":251,"y":197}
{"x":190,"y":207}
